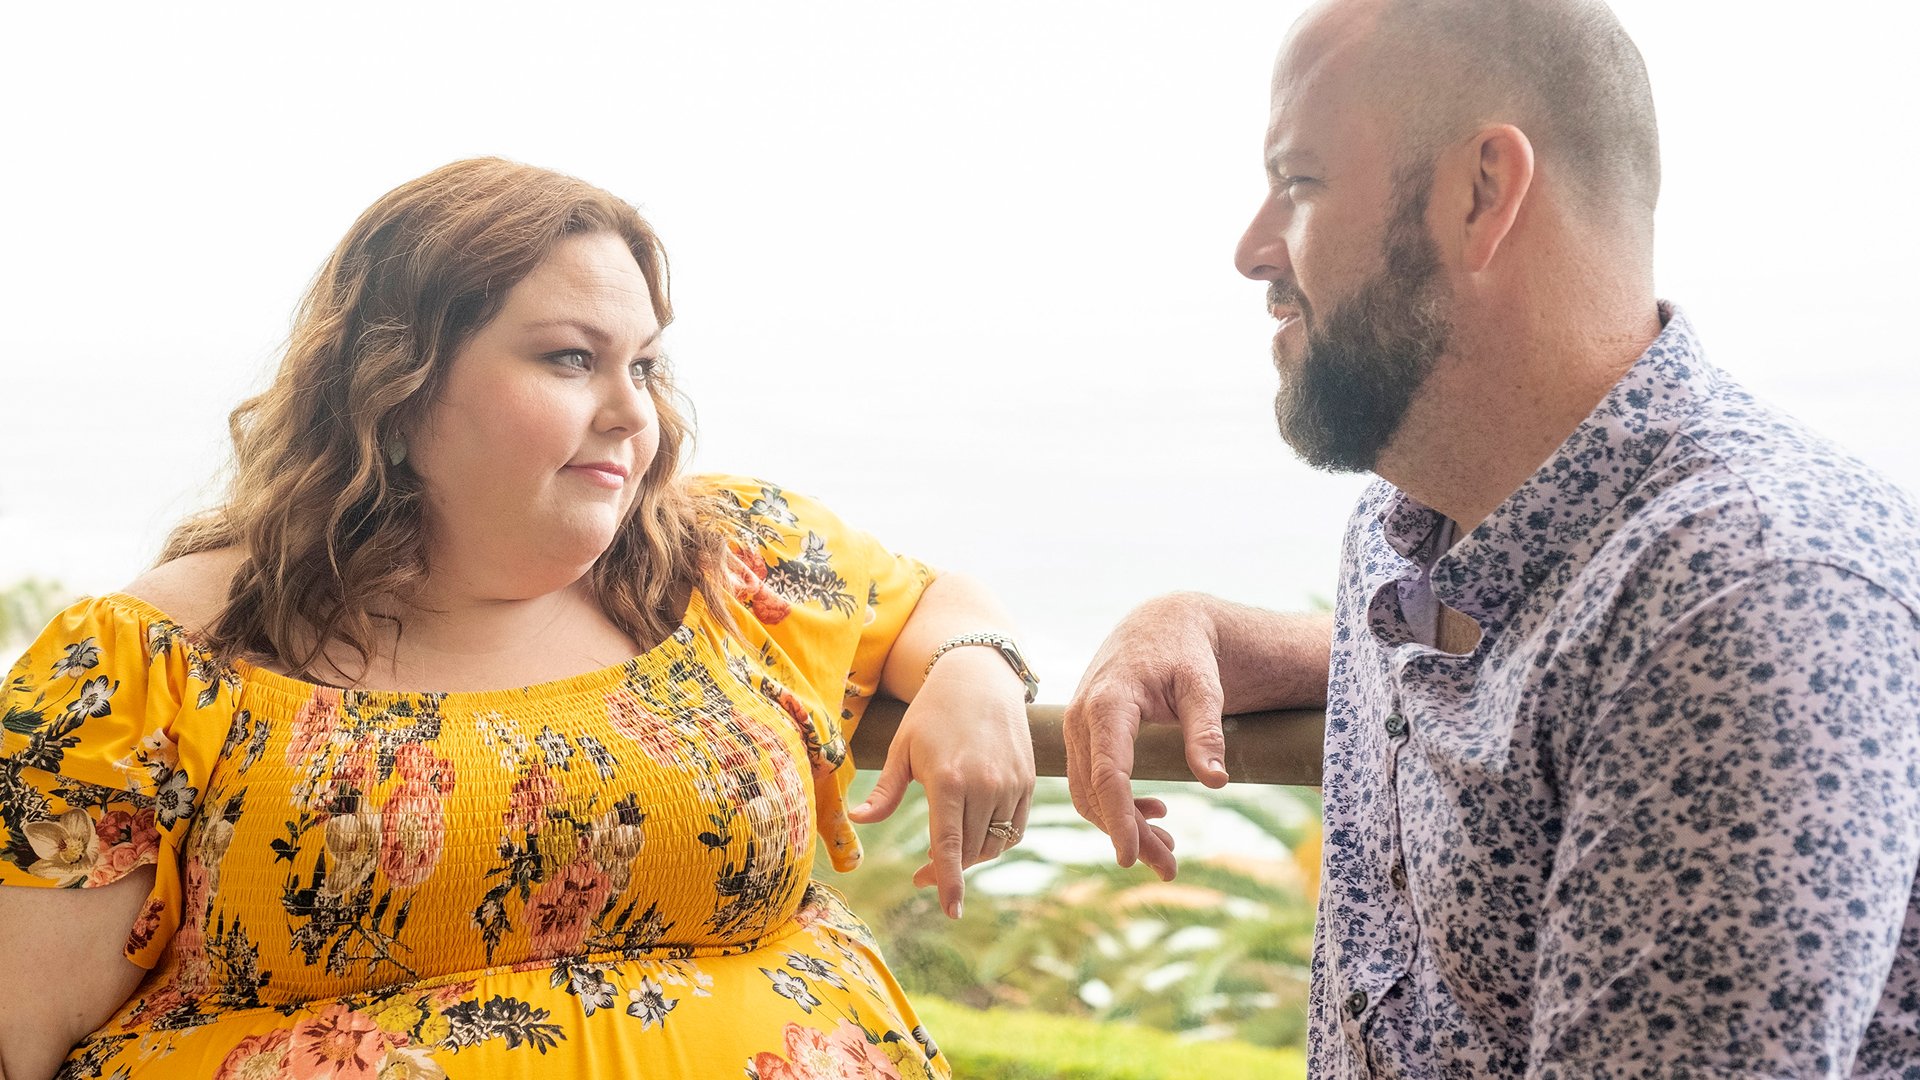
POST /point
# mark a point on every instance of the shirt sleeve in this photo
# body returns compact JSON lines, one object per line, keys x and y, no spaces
{"x":823,"y":602}
{"x":93,"y":780}
{"x":1741,"y":841}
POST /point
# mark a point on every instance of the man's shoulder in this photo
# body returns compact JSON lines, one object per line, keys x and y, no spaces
{"x":1743,"y":489}
{"x":1805,"y":497}
{"x":1751,"y":540}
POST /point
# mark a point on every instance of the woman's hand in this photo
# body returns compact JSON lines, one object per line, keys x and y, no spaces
{"x":965,"y":738}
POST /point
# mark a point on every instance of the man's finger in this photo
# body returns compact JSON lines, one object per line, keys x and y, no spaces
{"x":1156,"y":848}
{"x":1198,"y":701}
{"x":1079,"y":782}
{"x":1110,"y":775}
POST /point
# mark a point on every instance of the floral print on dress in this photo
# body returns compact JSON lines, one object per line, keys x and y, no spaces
{"x":393,"y":1039}
{"x":125,"y":839}
{"x":771,"y":587}
{"x":105,"y":832}
{"x":577,"y":877}
{"x":68,"y":848}
{"x":747,"y":576}
{"x":845,"y":1053}
{"x":412,"y":822}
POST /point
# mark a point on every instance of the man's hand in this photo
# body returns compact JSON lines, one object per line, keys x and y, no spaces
{"x":1183,"y":659}
{"x":1160,"y":666}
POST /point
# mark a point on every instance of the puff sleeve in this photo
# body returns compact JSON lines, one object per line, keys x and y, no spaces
{"x":96,"y":776}
{"x":823,"y":602}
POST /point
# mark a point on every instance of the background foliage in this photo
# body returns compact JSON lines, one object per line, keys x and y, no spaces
{"x":1220,"y":955}
{"x":25,"y":607}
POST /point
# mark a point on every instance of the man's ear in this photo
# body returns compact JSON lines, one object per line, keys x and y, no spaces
{"x":1502,"y":161}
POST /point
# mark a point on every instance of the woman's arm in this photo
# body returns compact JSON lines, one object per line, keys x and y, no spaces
{"x":964,"y":735}
{"x":63,"y":970}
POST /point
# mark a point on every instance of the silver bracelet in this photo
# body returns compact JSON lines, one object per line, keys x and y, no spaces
{"x":1008,"y":652}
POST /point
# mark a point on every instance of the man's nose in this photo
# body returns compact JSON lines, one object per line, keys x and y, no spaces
{"x":1262,"y":254}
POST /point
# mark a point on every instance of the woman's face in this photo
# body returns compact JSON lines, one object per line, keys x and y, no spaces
{"x":535,"y":449}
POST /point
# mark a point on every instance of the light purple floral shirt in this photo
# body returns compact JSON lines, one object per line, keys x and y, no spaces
{"x":1664,"y":820}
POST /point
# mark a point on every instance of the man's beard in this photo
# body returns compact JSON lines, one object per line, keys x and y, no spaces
{"x":1377,"y":347}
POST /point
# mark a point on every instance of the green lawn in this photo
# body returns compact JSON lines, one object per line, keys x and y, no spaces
{"x":1010,"y":1044}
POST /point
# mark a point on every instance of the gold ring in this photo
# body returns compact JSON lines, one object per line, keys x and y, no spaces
{"x":1005,"y":830}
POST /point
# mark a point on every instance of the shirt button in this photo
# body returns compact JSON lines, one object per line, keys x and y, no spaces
{"x":1396,"y":725}
{"x":1356,"y":1004}
{"x":1398,"y":876}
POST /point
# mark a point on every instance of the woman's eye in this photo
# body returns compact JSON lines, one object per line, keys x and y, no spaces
{"x":645,"y":368}
{"x":578,"y":359}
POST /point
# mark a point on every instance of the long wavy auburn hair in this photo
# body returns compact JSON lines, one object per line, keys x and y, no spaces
{"x":328,"y":524}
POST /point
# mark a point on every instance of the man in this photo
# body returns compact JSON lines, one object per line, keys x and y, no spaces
{"x":1622,"y":766}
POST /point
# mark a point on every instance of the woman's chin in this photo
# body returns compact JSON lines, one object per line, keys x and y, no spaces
{"x":572,"y":550}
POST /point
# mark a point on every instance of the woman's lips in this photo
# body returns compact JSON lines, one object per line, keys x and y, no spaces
{"x":604,"y":474}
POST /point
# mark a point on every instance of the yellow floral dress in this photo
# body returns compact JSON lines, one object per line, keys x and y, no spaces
{"x":607,"y":875}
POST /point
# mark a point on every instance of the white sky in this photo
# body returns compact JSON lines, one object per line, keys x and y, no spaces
{"x":963,"y":269}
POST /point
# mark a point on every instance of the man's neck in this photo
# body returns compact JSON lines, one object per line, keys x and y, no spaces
{"x":1494,"y":411}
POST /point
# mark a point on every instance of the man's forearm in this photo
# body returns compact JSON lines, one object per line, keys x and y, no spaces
{"x":1268,"y":659}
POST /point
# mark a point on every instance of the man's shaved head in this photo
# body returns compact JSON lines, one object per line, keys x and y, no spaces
{"x":1562,"y":71}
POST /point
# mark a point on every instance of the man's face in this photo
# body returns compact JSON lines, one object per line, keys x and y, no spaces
{"x":1354,"y":276}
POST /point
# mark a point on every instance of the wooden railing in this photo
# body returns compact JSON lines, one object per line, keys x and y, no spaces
{"x":1262,"y":748}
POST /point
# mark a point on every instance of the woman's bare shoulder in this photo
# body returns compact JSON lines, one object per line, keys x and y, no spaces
{"x":192,"y":589}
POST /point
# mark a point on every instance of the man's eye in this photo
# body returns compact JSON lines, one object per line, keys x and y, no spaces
{"x":578,"y":359}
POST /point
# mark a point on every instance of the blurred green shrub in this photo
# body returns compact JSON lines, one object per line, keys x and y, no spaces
{"x":25,"y":607}
{"x":1219,"y":957}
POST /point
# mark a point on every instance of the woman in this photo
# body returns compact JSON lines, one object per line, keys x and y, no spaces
{"x":469,"y":739}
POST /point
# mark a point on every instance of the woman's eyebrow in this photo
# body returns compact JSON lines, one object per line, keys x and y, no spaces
{"x":587,"y":328}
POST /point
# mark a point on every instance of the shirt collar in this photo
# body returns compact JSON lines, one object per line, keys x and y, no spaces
{"x":1567,"y":500}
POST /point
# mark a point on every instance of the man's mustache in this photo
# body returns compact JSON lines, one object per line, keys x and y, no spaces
{"x":1284,"y":294}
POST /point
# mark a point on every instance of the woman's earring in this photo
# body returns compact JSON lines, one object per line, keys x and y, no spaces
{"x":396,"y":450}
